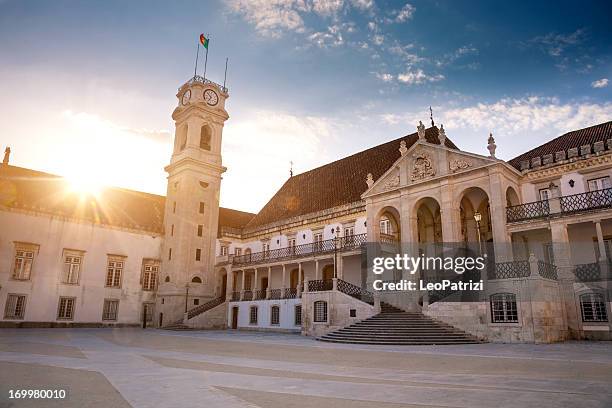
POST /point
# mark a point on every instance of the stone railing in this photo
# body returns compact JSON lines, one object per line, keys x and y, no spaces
{"x":527,"y":211}
{"x":320,"y":285}
{"x":547,"y":270}
{"x":594,"y":272}
{"x":201,"y":80}
{"x":205,"y":307}
{"x":348,"y":243}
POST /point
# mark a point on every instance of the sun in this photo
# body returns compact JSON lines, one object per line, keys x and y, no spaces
{"x":84,"y":184}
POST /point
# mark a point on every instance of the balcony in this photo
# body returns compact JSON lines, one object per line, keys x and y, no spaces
{"x":594,"y":272}
{"x":561,"y":206}
{"x":341,"y":244}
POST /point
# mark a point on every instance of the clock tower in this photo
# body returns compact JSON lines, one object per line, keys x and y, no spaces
{"x":192,"y":200}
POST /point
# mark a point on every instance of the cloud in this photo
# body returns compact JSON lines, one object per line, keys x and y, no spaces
{"x":385,"y":77}
{"x":405,"y":13}
{"x":271,"y":17}
{"x":330,"y":38}
{"x":556,"y":44}
{"x":418,"y":76}
{"x":600,"y":83}
{"x":363,"y":4}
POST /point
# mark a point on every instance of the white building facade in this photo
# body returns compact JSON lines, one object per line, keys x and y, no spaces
{"x":298,"y":265}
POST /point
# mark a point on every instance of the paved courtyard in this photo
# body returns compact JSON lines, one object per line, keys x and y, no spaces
{"x":152,"y":368}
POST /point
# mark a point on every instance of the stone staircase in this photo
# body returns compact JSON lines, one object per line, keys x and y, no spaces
{"x":198,"y":310}
{"x":394,"y":326}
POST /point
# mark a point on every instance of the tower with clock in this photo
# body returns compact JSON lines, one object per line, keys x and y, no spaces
{"x":192,"y":200}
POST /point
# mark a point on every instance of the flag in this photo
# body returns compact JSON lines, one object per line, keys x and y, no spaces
{"x":204,"y":41}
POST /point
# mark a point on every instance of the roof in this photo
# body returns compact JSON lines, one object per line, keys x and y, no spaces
{"x":47,"y":193}
{"x":335,"y":184}
{"x":575,"y":138}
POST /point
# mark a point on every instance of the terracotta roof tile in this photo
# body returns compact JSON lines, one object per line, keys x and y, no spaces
{"x":47,"y":193}
{"x":338,"y":183}
{"x":575,"y":138}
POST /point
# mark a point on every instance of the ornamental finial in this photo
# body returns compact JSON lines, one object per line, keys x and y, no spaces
{"x":491,"y":146}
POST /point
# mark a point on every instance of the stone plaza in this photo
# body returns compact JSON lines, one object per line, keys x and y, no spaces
{"x":151,"y":368}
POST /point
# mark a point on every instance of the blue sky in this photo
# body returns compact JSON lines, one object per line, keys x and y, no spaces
{"x":88,"y":87}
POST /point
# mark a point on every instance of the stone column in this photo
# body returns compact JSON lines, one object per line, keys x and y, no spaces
{"x":305,"y":285}
{"x":256,"y":283}
{"x":317,"y":269}
{"x":269,"y":282}
{"x":284,"y":282}
{"x":600,"y":241}
{"x":229,"y":285}
{"x":242,"y":284}
{"x":561,"y":251}
{"x":299,"y":283}
{"x":340,"y":267}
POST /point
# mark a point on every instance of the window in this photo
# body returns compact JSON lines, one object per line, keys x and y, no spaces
{"x":503,"y":308}
{"x":266,"y":249}
{"x":196,"y":279}
{"x":15,"y":306}
{"x":545,"y":194}
{"x":198,"y":254}
{"x":352,"y":312}
{"x":170,"y":254}
{"x":385,"y":226}
{"x":201,"y":210}
{"x":593,"y":308}
{"x":24,"y":258}
{"x":224,"y":250}
{"x":196,"y":302}
{"x":275,"y":315}
{"x":167,"y":279}
{"x":247,"y":281}
{"x":349,"y":236}
{"x":549,"y":253}
{"x":237,"y":251}
{"x":318,"y":239}
{"x":253,"y":315}
{"x":291,"y":242}
{"x":298,"y":315}
{"x":205,"y":135}
{"x":200,"y":230}
{"x":114,"y":270}
{"x":320,"y":311}
{"x":65,"y":309}
{"x":72,"y":267}
{"x":109,"y":312}
{"x":600,"y":183}
{"x":149,"y":276}
{"x":172,"y":230}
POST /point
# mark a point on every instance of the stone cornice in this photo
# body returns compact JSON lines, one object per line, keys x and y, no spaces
{"x":594,"y":160}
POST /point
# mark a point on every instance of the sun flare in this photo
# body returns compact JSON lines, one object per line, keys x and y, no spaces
{"x":84,"y":184}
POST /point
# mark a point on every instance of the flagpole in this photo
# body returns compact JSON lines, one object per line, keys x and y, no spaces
{"x":206,"y":58}
{"x":195,"y":71}
{"x":225,"y":76}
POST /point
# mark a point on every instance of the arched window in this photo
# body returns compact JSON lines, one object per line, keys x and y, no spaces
{"x":503,"y":308}
{"x":593,"y":308}
{"x":320,"y":311}
{"x":275,"y":315}
{"x":167,"y":279}
{"x":253,"y":315}
{"x":205,"y":136}
{"x":196,"y":279}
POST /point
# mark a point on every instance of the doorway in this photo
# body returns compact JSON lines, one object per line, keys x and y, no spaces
{"x":235,"y":317}
{"x":161,"y":319}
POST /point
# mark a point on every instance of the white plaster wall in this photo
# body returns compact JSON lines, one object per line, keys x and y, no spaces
{"x":44,"y":288}
{"x":287,"y":314}
{"x":360,"y":226}
{"x":579,"y":184}
{"x":529,"y":193}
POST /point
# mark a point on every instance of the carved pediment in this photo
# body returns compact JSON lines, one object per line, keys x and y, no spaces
{"x":422,"y":166}
{"x":459,"y":164}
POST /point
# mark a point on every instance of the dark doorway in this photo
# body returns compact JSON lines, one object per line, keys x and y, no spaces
{"x":224,"y":285}
{"x":235,"y":317}
{"x":264,"y":283}
{"x":161,"y":319}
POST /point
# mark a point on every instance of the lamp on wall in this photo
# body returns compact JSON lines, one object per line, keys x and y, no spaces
{"x":571,"y":183}
{"x":478,"y":218}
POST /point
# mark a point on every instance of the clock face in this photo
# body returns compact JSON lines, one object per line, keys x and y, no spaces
{"x":211,"y":97}
{"x":186,"y":97}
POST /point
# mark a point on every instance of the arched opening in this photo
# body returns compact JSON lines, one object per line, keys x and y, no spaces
{"x":512,"y":197}
{"x":429,"y":225}
{"x":167,"y":279}
{"x":196,"y":279}
{"x":223,"y":277}
{"x":476,"y":223}
{"x":388,"y":226}
{"x":293,"y":278}
{"x":205,"y":137}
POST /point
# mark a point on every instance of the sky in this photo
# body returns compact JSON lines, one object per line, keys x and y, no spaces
{"x":87,"y":88}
